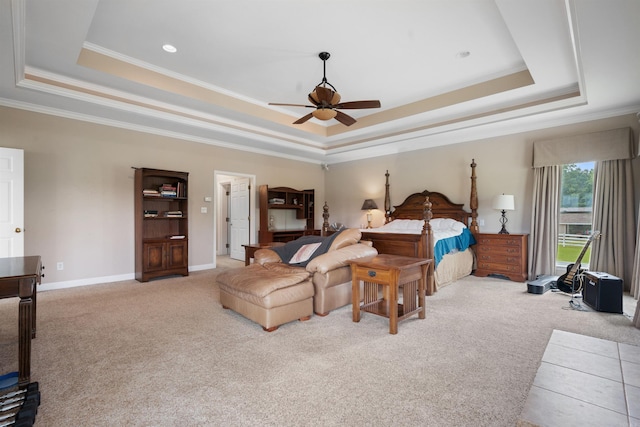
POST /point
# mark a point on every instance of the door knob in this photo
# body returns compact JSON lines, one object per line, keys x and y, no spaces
{"x":18,"y":229}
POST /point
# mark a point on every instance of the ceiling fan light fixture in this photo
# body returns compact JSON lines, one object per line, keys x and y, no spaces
{"x":324,"y":114}
{"x":327,"y":101}
{"x":314,"y":96}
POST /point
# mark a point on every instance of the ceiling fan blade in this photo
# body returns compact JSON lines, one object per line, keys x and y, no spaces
{"x":293,"y":105}
{"x":303,"y":119}
{"x":358,"y":104}
{"x":344,"y":119}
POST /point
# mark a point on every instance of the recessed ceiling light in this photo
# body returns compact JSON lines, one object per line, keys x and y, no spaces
{"x":169,"y":48}
{"x":463,"y":54}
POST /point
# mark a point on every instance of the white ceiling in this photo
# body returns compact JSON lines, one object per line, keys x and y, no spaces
{"x":532,"y":64}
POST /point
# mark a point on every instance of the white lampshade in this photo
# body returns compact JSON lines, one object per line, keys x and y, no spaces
{"x":504,"y":202}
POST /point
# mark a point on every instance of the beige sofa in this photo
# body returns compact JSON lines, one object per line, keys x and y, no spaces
{"x":272,"y":293}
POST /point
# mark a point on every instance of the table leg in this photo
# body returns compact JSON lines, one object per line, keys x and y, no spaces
{"x":421,"y":293}
{"x":33,"y":311}
{"x":25,"y":329}
{"x":355,"y":297}
{"x":393,"y":307}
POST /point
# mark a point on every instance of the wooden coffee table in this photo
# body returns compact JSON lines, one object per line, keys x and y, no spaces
{"x":250,"y":250}
{"x":389,"y":273}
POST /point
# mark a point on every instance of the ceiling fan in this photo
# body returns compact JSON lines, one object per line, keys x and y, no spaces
{"x":326,"y":101}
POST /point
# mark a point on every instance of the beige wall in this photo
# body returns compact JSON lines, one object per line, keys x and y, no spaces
{"x":503,"y":166}
{"x":79,"y":190}
{"x":79,"y":185}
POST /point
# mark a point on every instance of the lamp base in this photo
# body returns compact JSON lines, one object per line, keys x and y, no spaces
{"x":503,"y":221}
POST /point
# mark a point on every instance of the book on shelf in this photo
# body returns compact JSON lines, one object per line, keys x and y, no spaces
{"x":173,"y":214}
{"x":181,"y":189}
{"x":276,"y":201}
{"x":150,"y":213}
{"x":176,"y":236}
{"x":148,"y":192}
{"x":168,"y":190}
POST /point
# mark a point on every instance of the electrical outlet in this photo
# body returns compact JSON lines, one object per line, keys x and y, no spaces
{"x":60,"y":265}
{"x":203,"y":209}
{"x":480,"y":222}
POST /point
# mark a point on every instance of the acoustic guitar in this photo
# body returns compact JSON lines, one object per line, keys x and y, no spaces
{"x":566,"y":282}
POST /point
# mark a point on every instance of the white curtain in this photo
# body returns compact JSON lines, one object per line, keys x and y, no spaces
{"x":635,"y":278}
{"x":614,"y":217}
{"x":543,"y":242}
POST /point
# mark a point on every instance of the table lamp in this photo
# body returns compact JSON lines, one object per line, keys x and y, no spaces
{"x":367,"y":206}
{"x":504,"y":203}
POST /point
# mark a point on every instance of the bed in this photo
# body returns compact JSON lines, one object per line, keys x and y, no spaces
{"x":429,"y":225}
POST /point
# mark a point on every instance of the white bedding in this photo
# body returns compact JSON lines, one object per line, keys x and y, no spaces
{"x":442,"y":227}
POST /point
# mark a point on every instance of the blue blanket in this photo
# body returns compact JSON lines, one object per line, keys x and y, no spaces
{"x":289,"y":249}
{"x":456,"y":243}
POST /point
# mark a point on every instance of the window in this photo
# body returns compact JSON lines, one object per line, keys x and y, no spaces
{"x":576,"y":208}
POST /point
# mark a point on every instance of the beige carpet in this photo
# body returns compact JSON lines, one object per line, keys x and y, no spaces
{"x":165,"y":353}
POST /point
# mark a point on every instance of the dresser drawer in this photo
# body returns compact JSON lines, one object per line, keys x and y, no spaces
{"x":499,"y":258}
{"x":498,"y":250}
{"x":500,"y":240}
{"x":375,"y":275}
{"x":498,"y":268}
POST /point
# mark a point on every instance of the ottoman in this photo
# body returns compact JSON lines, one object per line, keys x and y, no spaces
{"x":270,"y":294}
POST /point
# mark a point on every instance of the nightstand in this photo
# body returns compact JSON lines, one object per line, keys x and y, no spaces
{"x":502,"y":254}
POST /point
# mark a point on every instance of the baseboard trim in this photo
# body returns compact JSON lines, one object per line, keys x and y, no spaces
{"x":105,"y":279}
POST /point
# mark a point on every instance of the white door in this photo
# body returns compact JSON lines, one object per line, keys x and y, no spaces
{"x":11,"y":202}
{"x":240,"y":215}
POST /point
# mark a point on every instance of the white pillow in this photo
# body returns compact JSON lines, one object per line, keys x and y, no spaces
{"x":447,"y":224}
{"x":404,"y":224}
{"x":304,"y":253}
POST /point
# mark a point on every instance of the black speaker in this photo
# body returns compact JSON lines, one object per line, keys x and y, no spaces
{"x":602,"y":292}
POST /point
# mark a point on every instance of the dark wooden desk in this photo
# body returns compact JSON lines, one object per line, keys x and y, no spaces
{"x":18,"y":278}
{"x":390,"y":272}
{"x":251,"y":249}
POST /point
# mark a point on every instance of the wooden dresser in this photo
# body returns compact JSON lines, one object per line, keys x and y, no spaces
{"x":503,"y":254}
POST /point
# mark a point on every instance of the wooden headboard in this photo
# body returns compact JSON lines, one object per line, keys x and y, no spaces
{"x":441,"y":207}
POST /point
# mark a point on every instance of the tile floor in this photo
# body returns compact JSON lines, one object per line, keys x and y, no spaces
{"x":585,"y":381}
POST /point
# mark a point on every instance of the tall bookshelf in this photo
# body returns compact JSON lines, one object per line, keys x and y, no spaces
{"x":161,"y":223}
{"x":299,"y":202}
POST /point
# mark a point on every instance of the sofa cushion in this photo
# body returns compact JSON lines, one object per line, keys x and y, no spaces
{"x":260,"y":280}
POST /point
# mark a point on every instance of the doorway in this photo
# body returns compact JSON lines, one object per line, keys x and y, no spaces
{"x":233,"y":214}
{"x":11,"y":202}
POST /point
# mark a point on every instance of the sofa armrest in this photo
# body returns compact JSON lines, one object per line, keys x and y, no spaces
{"x":262,"y":256}
{"x":338,"y":258}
